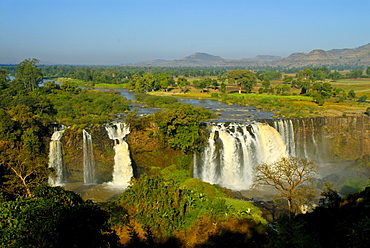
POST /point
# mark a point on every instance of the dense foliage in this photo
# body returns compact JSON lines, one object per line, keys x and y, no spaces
{"x":335,"y":223}
{"x":181,"y":126}
{"x":53,"y":217}
{"x":156,"y":101}
{"x":158,"y":208}
{"x":78,"y":106}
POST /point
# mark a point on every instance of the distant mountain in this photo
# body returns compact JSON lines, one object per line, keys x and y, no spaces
{"x":199,"y":59}
{"x":265,"y":58}
{"x":350,"y":57}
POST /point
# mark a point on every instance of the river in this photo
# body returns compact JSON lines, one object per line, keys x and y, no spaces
{"x":225,"y":113}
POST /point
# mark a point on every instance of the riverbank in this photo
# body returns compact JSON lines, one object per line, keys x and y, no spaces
{"x":286,"y":106}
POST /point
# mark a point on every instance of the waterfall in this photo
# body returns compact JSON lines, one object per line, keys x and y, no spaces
{"x":303,"y":139}
{"x":286,"y":130}
{"x":313,"y":138}
{"x":122,"y":171}
{"x":233,"y":151}
{"x":89,"y":162}
{"x":56,"y":159}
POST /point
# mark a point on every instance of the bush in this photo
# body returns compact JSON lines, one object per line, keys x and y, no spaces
{"x":54,"y":217}
{"x":367,"y":111}
{"x":363,"y":98}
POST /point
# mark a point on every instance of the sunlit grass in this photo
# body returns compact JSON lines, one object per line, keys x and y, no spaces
{"x":276,"y":97}
{"x":113,"y":86}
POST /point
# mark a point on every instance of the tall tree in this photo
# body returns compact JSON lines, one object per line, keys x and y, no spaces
{"x":243,"y":78}
{"x":28,"y":74}
{"x":305,"y":78}
{"x":4,"y":80}
{"x":292,"y":177}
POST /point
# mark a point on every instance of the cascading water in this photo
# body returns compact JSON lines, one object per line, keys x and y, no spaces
{"x":286,"y":130}
{"x":56,"y":159}
{"x":122,"y":171}
{"x":302,"y":137}
{"x":89,"y":162}
{"x":234,"y":150}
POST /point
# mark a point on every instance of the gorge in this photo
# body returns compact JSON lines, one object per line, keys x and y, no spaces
{"x":232,"y":149}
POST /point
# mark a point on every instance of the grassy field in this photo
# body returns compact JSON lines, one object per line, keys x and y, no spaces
{"x":360,"y":86}
{"x":81,"y":83}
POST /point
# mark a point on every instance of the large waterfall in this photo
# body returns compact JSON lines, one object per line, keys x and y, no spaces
{"x":233,"y":150}
{"x":56,"y":159}
{"x":88,"y":159}
{"x":122,"y":171}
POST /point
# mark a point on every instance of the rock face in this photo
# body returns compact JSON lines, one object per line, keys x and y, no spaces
{"x":73,"y":154}
{"x":348,"y":137}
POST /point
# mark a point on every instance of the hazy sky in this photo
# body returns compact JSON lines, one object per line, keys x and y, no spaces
{"x":114,"y":32}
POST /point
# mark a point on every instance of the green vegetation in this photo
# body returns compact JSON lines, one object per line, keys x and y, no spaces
{"x":160,"y":208}
{"x":53,"y":217}
{"x":156,"y":101}
{"x":243,"y":78}
{"x":336,"y":222}
{"x":181,"y":127}
{"x":76,"y":106}
{"x":165,"y":206}
{"x":26,"y":111}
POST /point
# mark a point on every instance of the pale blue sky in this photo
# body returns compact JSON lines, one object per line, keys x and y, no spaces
{"x":124,"y":31}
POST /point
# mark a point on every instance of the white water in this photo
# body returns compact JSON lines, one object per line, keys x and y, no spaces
{"x":56,"y":159}
{"x":88,"y":159}
{"x":234,"y":150}
{"x":122,"y":171}
{"x":285,"y":128}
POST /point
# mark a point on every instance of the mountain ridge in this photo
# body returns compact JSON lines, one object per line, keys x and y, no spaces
{"x":347,"y":56}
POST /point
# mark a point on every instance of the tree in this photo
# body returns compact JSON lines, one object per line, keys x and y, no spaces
{"x":352,"y":94}
{"x":164,"y":81}
{"x":330,"y":198}
{"x":335,"y":75}
{"x":181,"y":126}
{"x":54,"y":217}
{"x":24,"y":170}
{"x":243,"y":78}
{"x":183,"y":84}
{"x":304,"y":80}
{"x":287,"y":79}
{"x":323,"y":91}
{"x":363,"y":98}
{"x":28,"y":74}
{"x":368,"y":71}
{"x":266,"y":83}
{"x":292,"y":177}
{"x":4,"y":80}
{"x":355,"y":73}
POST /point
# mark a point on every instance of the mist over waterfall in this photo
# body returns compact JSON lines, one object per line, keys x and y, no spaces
{"x":233,"y":150}
{"x":56,"y":159}
{"x":88,"y":158}
{"x":122,"y":171}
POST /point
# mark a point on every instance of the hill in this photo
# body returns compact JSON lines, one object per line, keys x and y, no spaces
{"x":353,"y":57}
